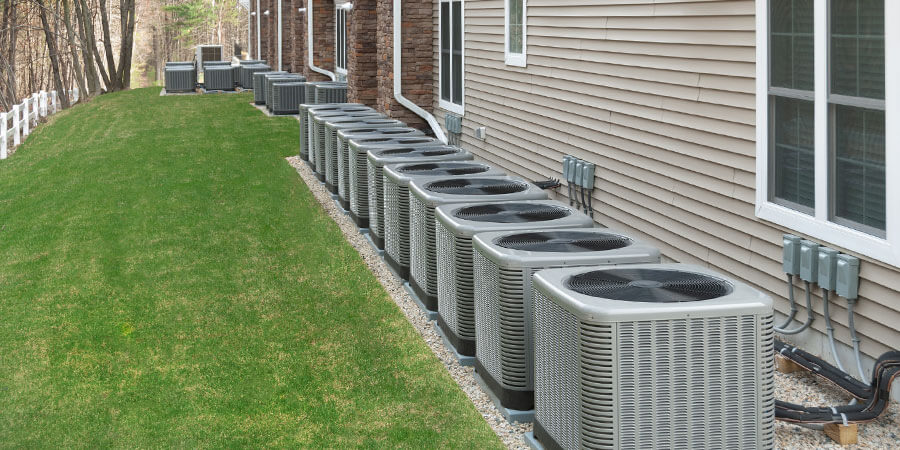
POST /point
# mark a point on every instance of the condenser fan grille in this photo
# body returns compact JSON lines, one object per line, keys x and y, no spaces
{"x":416,"y":152}
{"x":478,"y":186}
{"x":512,"y":213}
{"x":564,"y":241}
{"x":649,"y":285}
{"x":443,"y":169}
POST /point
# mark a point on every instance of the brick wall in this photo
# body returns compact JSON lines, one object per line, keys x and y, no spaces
{"x":287,"y":15}
{"x":362,"y":63}
{"x":323,"y":32}
{"x":418,"y":59}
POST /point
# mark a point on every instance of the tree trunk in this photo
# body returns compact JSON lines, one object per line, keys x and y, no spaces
{"x":76,"y":64}
{"x":107,"y":47}
{"x":88,"y":45}
{"x":127,"y":11}
{"x":53,"y":53}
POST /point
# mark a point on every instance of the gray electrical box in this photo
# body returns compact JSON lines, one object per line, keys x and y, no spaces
{"x":809,"y":261}
{"x":847,"y":284}
{"x":827,"y":268}
{"x":791,"y":258}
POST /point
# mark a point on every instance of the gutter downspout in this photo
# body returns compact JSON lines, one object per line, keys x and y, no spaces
{"x":280,"y":42}
{"x":398,"y":69}
{"x":249,"y":35}
{"x":309,"y":42}
{"x":258,"y":32}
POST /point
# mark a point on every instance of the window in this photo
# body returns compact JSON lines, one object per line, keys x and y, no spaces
{"x":451,"y":70}
{"x":822,"y":109}
{"x":340,"y":41}
{"x":515,"y":32}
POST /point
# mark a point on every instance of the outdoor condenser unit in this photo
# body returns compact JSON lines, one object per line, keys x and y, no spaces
{"x":425,"y":196}
{"x":180,"y":78}
{"x":207,"y":64}
{"x":307,"y":125}
{"x":311,"y":91}
{"x":654,"y":356}
{"x":286,"y":97}
{"x":456,"y":225}
{"x":504,"y":262}
{"x":335,"y":162}
{"x":218,"y":78}
{"x":358,"y":169}
{"x":343,"y":138}
{"x":246,"y":76}
{"x":331,"y":93}
{"x":259,"y":91}
{"x":321,"y":133}
{"x":206,"y":53}
{"x":271,"y":80}
{"x":396,"y":200}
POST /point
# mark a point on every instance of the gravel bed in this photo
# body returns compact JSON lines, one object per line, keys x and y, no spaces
{"x":799,"y":387}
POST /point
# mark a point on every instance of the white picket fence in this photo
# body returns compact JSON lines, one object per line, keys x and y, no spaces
{"x":25,"y":117}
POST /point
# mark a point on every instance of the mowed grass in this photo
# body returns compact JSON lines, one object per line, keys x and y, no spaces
{"x":167,"y":280}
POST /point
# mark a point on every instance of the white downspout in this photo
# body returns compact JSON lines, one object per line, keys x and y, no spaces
{"x":309,"y":41}
{"x":249,"y":35}
{"x":258,"y":32}
{"x":398,"y":75}
{"x":280,"y":42}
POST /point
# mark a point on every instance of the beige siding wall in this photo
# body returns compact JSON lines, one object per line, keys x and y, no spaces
{"x":660,"y":96}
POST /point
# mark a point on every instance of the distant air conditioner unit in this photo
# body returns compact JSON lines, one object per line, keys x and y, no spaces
{"x":504,"y":262}
{"x":247,"y":71}
{"x":218,"y":78}
{"x":456,"y":225}
{"x":396,"y":200}
{"x":286,"y":97}
{"x":321,"y":135}
{"x":259,"y":81}
{"x":286,"y":78}
{"x":425,"y":196}
{"x":336,"y":161}
{"x":311,"y":91}
{"x":654,"y":356}
{"x":331,"y":93}
{"x":206,"y":53}
{"x":180,"y":78}
{"x":307,"y":125}
{"x":343,"y":141}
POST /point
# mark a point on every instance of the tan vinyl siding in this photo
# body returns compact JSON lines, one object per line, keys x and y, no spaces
{"x":661,"y":96}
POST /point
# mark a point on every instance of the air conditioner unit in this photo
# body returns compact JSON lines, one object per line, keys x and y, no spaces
{"x":504,"y":262}
{"x":321,"y":135}
{"x":358,"y":169}
{"x":206,"y":53}
{"x":331,"y":93}
{"x":456,"y":225}
{"x":246,"y":74}
{"x":218,"y":78}
{"x":425,"y":196}
{"x":286,"y":97}
{"x":311,"y":91}
{"x":333,"y":157}
{"x":307,"y":134}
{"x":180,"y":78}
{"x":396,"y":201}
{"x":271,"y":80}
{"x":344,"y":171}
{"x":259,"y":91}
{"x":651,"y":356}
{"x":207,"y":64}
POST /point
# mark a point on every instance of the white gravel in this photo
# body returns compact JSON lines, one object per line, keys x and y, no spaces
{"x":795,"y":388}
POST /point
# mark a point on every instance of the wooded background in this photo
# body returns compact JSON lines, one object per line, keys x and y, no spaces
{"x":102,"y":46}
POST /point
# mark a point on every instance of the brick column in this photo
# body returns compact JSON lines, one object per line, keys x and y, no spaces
{"x":323,"y":36}
{"x":362,"y":64}
{"x":265,"y":29}
{"x":287,"y":17}
{"x":251,"y":46}
{"x":417,"y":56}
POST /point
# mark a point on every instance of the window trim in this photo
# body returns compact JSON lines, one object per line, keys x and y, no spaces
{"x":338,"y":10}
{"x":820,"y":226}
{"x":515,"y":59}
{"x":444,"y":104}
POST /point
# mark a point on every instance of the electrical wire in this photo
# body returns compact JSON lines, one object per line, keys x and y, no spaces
{"x":830,"y":330}
{"x":810,"y":315}
{"x":793,"y":312}
{"x":854,"y":338}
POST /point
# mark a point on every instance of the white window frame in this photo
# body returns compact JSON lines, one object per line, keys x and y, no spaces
{"x":444,"y":104}
{"x":338,"y":10}
{"x":515,"y":59}
{"x":818,"y":226}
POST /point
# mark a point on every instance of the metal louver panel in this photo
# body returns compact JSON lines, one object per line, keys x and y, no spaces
{"x":179,"y":79}
{"x":270,"y":83}
{"x":331,"y":94}
{"x":331,"y":157}
{"x":287,"y":97}
{"x":446,"y":274}
{"x":396,"y":222}
{"x":598,"y":388}
{"x":359,"y":183}
{"x":259,"y":91}
{"x":375,"y":180}
{"x":766,"y":363}
{"x":423,"y":257}
{"x":218,"y":78}
{"x":557,"y":400}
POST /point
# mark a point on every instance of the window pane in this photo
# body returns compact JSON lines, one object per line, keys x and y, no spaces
{"x":859,"y":168}
{"x":794,"y":150}
{"x":445,"y":51}
{"x":857,"y":48}
{"x":457,"y":53}
{"x":791,"y":44}
{"x":515,"y":26}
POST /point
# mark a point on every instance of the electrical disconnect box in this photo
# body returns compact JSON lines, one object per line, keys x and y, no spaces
{"x":827,"y":268}
{"x":847,"y":283}
{"x":809,"y":261}
{"x":791,"y":259}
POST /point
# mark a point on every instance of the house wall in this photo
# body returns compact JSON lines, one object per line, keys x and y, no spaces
{"x":661,"y":97}
{"x":362,"y":63}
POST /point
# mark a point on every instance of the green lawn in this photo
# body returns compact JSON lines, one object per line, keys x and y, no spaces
{"x":166,"y":279}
